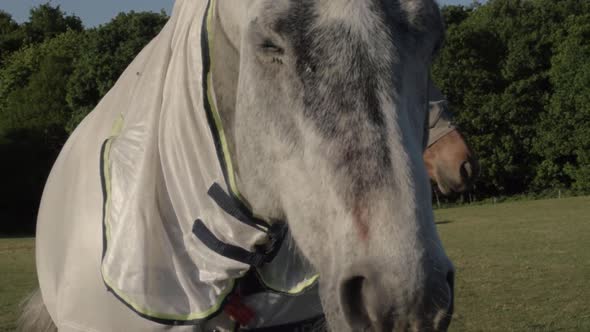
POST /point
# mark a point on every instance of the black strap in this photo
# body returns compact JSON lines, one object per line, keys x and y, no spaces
{"x":316,"y":324}
{"x":264,"y":254}
{"x":227,"y":203}
{"x":227,"y":250}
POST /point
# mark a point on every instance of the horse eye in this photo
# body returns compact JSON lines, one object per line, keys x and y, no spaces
{"x":269,"y":47}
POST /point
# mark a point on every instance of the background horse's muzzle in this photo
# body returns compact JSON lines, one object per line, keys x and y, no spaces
{"x":469,"y":170}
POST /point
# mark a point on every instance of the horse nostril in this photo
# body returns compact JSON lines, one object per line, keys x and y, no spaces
{"x":467,"y":170}
{"x":451,"y":283}
{"x":353,"y":303}
{"x":446,"y":321}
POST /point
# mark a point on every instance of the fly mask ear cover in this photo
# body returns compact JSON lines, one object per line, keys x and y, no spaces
{"x":440,"y":121}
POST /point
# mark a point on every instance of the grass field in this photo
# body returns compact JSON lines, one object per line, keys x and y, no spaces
{"x":521,"y":266}
{"x":17,"y":277}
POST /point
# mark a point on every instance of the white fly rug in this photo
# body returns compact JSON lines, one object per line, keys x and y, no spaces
{"x":167,"y":149}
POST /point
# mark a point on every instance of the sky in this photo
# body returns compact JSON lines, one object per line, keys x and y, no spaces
{"x":95,"y":12}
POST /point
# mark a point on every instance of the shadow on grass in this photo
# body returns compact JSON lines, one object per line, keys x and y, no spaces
{"x":444,"y":222}
{"x":23,"y":236}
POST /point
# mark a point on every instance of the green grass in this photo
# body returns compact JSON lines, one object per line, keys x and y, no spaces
{"x":17,"y":278}
{"x":521,"y":266}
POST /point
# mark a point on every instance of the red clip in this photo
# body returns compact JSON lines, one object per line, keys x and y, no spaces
{"x":238,"y":311}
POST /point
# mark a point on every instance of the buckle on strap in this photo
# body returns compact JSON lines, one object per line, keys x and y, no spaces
{"x":264,"y":253}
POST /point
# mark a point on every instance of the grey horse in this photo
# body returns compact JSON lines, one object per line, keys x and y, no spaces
{"x":320,"y":110}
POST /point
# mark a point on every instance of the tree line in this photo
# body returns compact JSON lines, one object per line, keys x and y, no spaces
{"x":53,"y":72}
{"x":516,"y":74}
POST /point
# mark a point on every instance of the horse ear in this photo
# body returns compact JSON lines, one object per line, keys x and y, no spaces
{"x":435,"y":112}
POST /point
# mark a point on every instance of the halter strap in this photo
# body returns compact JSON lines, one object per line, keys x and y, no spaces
{"x":231,"y":207}
{"x":315,"y":324}
{"x":263,"y":254}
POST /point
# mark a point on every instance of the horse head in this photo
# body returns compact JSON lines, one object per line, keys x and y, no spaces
{"x":326,"y":103}
{"x":449,"y":160}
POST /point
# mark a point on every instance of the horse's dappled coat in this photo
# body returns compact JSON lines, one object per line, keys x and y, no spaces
{"x":166,"y":150}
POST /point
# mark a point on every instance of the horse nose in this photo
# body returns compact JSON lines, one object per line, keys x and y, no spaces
{"x":369,"y":305}
{"x":446,"y":315}
{"x":357,"y":303}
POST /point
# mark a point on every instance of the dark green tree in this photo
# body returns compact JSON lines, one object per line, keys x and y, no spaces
{"x":33,"y":116}
{"x":108,"y":50}
{"x":39,"y":74}
{"x":11,"y":36}
{"x":468,"y":71}
{"x":564,"y":133}
{"x":48,"y":85}
{"x":455,"y":15}
{"x":496,"y":69}
{"x":47,"y":21}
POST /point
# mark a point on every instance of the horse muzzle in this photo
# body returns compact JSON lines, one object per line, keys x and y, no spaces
{"x":370,"y":303}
